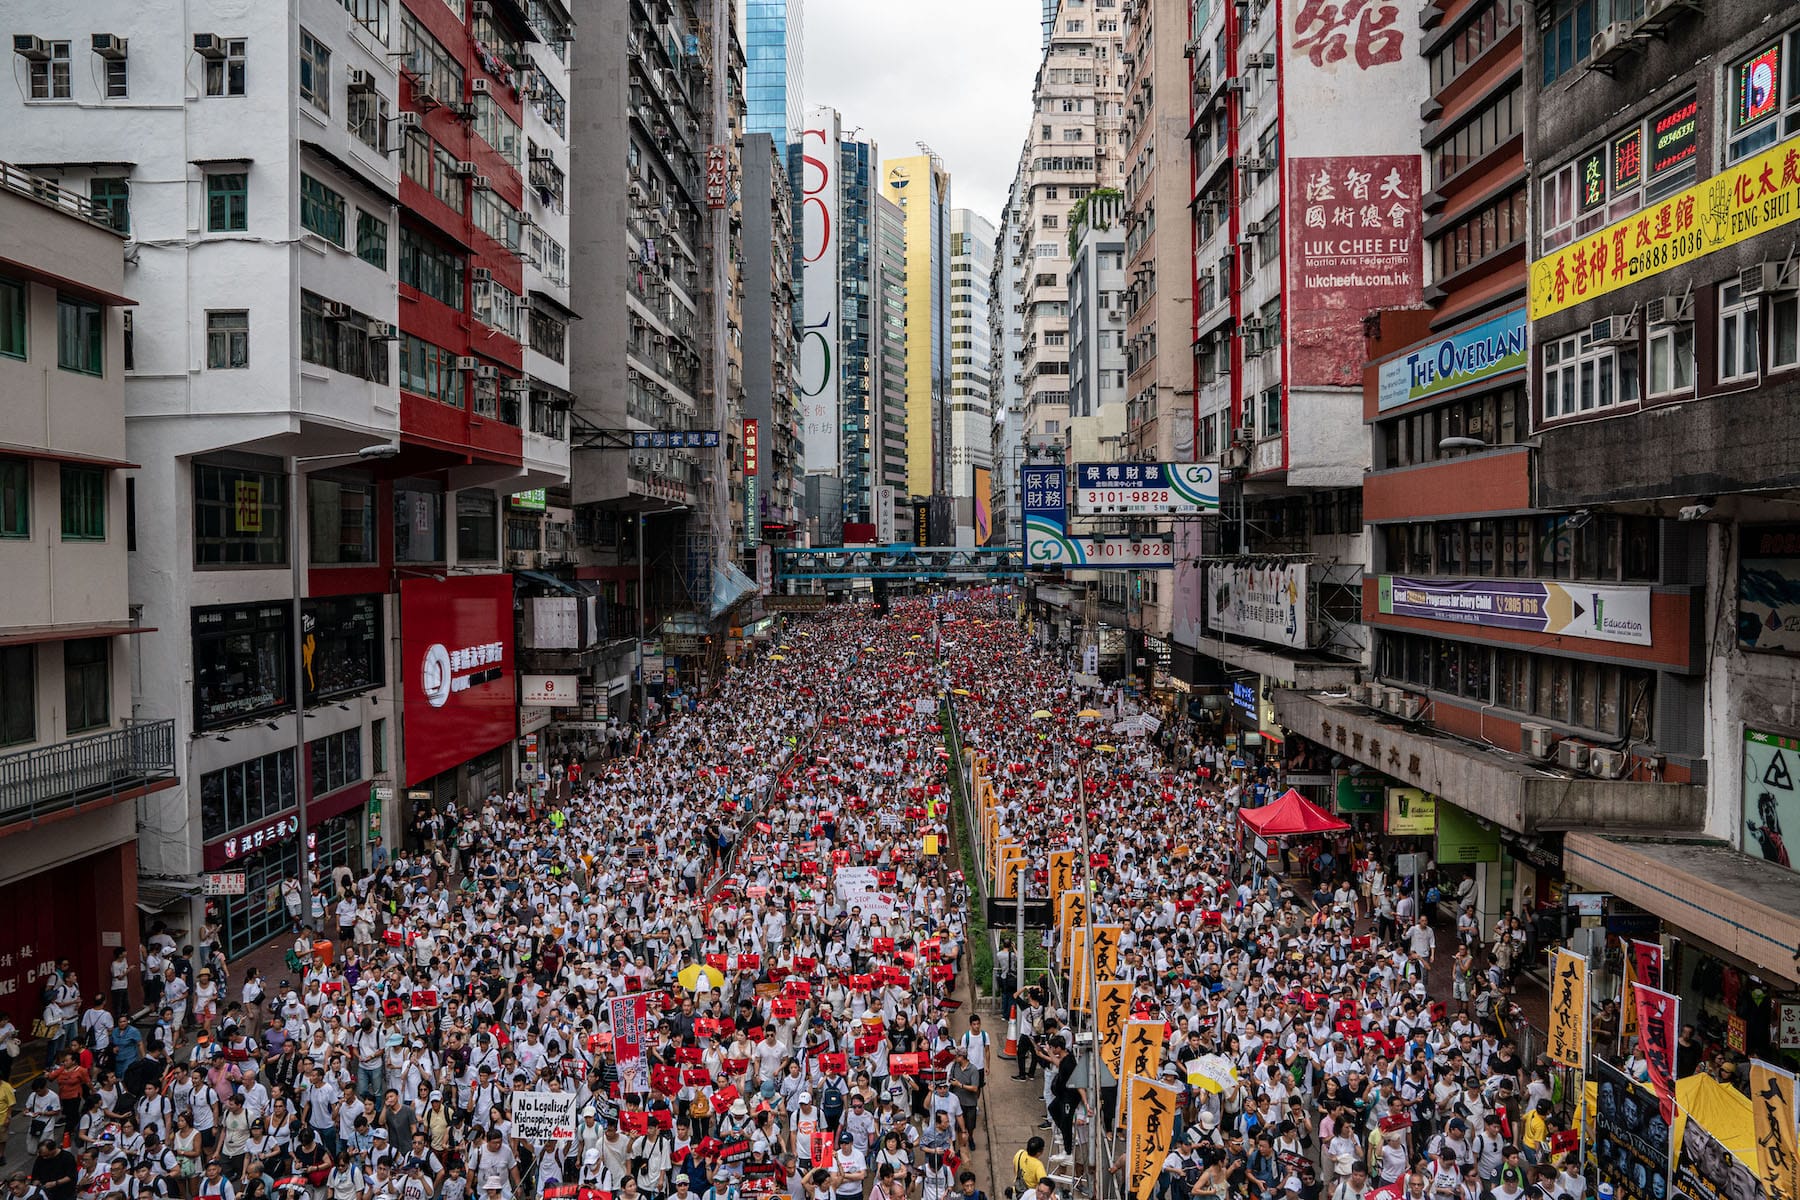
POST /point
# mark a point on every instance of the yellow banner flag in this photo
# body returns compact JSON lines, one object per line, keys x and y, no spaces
{"x":1568,"y":1010}
{"x":931,"y":845}
{"x":1062,"y":871}
{"x":1772,"y":1105}
{"x":1150,"y":1116}
{"x":1077,"y":964}
{"x":1071,"y":911}
{"x":1106,"y":950}
{"x":1010,"y":859}
{"x":1142,"y":1050}
{"x":1111,"y":1013}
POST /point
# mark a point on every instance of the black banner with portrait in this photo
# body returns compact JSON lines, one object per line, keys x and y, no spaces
{"x":1706,"y":1170}
{"x":1631,"y":1139}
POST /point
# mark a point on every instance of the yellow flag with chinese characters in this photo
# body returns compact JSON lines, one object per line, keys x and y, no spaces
{"x":1568,"y":1010}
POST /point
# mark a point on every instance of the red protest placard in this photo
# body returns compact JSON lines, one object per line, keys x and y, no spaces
{"x":805,"y":965}
{"x":833,"y":1064}
{"x":689,"y":1054}
{"x":906,"y":1064}
{"x":881,"y":945}
{"x":696,"y":1077}
{"x":424,"y":998}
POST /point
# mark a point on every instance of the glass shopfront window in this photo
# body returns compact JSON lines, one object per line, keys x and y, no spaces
{"x":336,"y":843}
{"x":341,"y":521}
{"x":246,"y":794}
{"x":418,"y":521}
{"x":341,"y":646}
{"x":337,"y":762}
{"x":249,"y":920}
{"x":243,"y":659}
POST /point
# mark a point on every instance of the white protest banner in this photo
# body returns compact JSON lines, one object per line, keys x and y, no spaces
{"x":543,"y":1116}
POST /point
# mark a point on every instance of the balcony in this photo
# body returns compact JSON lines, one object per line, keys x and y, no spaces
{"x":85,"y":771}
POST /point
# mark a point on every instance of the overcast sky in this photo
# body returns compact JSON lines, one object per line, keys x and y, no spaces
{"x":955,"y":74}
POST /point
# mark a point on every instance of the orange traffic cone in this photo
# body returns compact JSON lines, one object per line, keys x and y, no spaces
{"x":1010,"y":1048}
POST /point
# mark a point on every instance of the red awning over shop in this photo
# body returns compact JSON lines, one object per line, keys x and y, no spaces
{"x":1291,"y":815}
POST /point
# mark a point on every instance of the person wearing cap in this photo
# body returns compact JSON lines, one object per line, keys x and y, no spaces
{"x":849,"y":1168}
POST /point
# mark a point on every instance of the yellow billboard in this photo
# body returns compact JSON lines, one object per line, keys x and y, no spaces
{"x":1755,"y":196}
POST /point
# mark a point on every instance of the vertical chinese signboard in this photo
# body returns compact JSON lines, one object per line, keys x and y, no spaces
{"x":718,"y":176}
{"x":752,"y":477}
{"x":1568,"y":1010}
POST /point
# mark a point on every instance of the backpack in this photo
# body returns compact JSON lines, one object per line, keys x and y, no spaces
{"x":831,"y":1102}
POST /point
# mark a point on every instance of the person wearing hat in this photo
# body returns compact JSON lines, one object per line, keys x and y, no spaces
{"x":849,"y":1168}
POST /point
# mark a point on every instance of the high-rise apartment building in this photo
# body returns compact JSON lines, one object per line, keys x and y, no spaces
{"x":770,"y":437}
{"x":970,"y":414}
{"x":1006,"y":339}
{"x":774,"y":69}
{"x":888,"y":405}
{"x":920,"y":185}
{"x":341,"y":365}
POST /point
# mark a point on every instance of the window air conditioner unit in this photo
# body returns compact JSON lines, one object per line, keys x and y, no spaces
{"x":467,"y":362}
{"x":1761,"y":278}
{"x":465,"y":167}
{"x":383,"y":331}
{"x":1409,"y":707}
{"x":335,"y":310}
{"x":407,"y":121}
{"x":482,"y":8}
{"x":1572,"y":755}
{"x":1236,"y":83}
{"x":1669,"y":310}
{"x":1536,"y":740}
{"x":480,"y":87}
{"x":1263,"y":61}
{"x":109,"y":45}
{"x":1617,"y":330}
{"x":1659,"y":10}
{"x":30,"y":46}
{"x":359,"y":80}
{"x":1606,"y":764}
{"x":208,"y":45}
{"x":1611,"y":44}
{"x":1256,"y":229}
{"x":462,"y":111}
{"x":1262,"y":165}
{"x":487,"y":371}
{"x":482,"y":275}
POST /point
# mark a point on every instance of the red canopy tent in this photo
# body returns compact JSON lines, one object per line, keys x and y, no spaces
{"x":1292,"y":815}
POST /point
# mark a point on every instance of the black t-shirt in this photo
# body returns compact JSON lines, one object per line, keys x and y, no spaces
{"x":1060,"y":1086}
{"x":58,"y":1166}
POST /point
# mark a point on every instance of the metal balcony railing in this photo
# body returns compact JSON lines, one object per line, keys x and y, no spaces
{"x":85,"y":770}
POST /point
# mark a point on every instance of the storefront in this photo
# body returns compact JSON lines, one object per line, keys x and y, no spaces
{"x":460,"y":693}
{"x":79,"y":910}
{"x":264,"y":854}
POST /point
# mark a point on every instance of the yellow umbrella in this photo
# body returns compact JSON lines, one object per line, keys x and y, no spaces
{"x":803,"y":633}
{"x":1108,"y":749}
{"x":959,"y":691}
{"x":693,"y":973}
{"x":785,"y":646}
{"x":918,"y":637}
{"x":777,"y":658}
{"x":1042,"y":714}
{"x":1089,"y":714}
{"x":869,"y":648}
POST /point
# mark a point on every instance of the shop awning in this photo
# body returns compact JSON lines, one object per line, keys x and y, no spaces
{"x":1745,"y":905}
{"x":1292,"y":815}
{"x":28,"y":634}
{"x":544,"y":579}
{"x":155,"y":895}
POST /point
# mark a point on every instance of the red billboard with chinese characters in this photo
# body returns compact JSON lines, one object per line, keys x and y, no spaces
{"x":456,"y":649}
{"x":1355,"y":248}
{"x":752,"y":448}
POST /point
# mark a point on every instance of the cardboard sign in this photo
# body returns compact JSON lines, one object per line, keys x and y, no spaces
{"x":544,"y":1116}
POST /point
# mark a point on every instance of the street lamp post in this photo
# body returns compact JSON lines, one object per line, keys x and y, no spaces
{"x":296,"y":559}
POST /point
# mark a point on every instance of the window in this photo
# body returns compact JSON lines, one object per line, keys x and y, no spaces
{"x":1784,"y":331}
{"x":225,"y":74}
{"x":446,"y":184}
{"x":240,"y":516}
{"x":1580,"y":377}
{"x":496,"y":307}
{"x":117,"y":80}
{"x":371,"y":239}
{"x":341,"y":650}
{"x":227,"y":202}
{"x":498,"y":130}
{"x":415,"y":158}
{"x":338,"y":337}
{"x":315,"y":72}
{"x":1671,"y":359}
{"x":50,"y":74}
{"x":83,"y":504}
{"x":548,"y":334}
{"x":548,"y":103}
{"x":1489,"y":128}
{"x":336,"y":762}
{"x":365,"y":116}
{"x":246,"y":794}
{"x":14,"y":298}
{"x":498,"y":219}
{"x":243,"y":661}
{"x":80,"y":328}
{"x":418,"y":521}
{"x":1568,"y":36}
{"x":1764,"y":101}
{"x":1738,"y":333}
{"x":378,"y":745}
{"x":1491,"y":21}
{"x":430,"y":371}
{"x":227,"y":339}
{"x":114,"y":195}
{"x":321,"y":210}
{"x":18,"y":699}
{"x":434,"y":70}
{"x":477,"y":525}
{"x":435,"y":270}
{"x":1499,"y":226}
{"x":15,"y":498}
{"x":372,"y":15}
{"x":340,"y":521}
{"x":87,"y":683}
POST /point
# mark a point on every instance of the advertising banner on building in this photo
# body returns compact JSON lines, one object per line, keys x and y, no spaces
{"x":1048,"y":542}
{"x":1754,"y":196}
{"x":1568,"y":1009}
{"x":984,"y":506}
{"x":1356,"y":249}
{"x":1187,"y":625}
{"x":456,"y":649}
{"x":1411,"y":812}
{"x":1768,"y":615}
{"x":1265,"y":602}
{"x":1631,"y":1139}
{"x":1771,"y":795}
{"x":550,"y":691}
{"x":1146,"y":488}
{"x":1462,"y":838}
{"x":884,"y":513}
{"x":820,"y":398}
{"x":1489,"y":350}
{"x":1599,"y":613}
